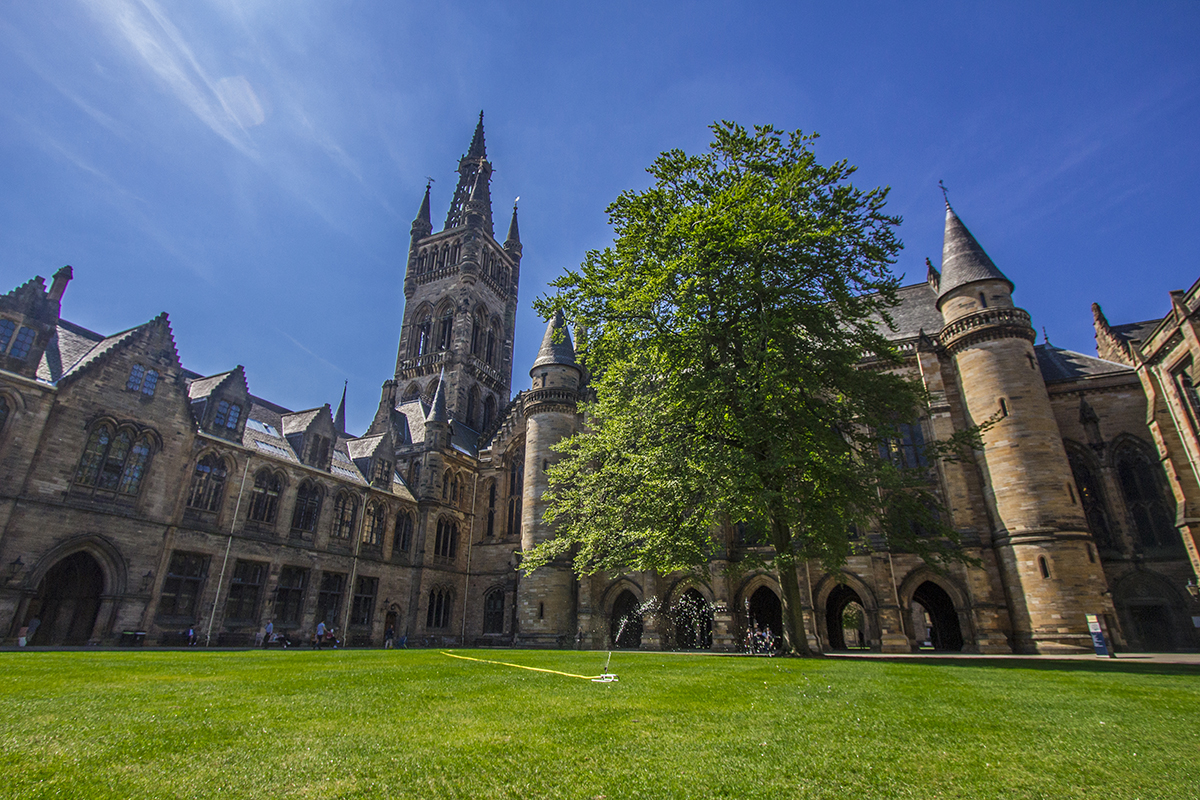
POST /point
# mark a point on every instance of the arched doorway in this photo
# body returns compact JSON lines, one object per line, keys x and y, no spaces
{"x":935,"y":619}
{"x":845,"y":619}
{"x":766,"y":611}
{"x":1153,"y":616}
{"x":67,"y":601}
{"x":692,"y":618}
{"x":625,"y":630}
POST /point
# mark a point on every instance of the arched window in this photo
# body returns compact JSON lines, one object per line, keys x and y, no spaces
{"x":446,"y":485}
{"x":3,"y":412}
{"x":113,"y":462}
{"x":423,"y":335}
{"x":1043,"y":566}
{"x":375,"y":524}
{"x":493,"y":611}
{"x":1092,"y":499}
{"x":491,"y":513}
{"x":308,"y":507}
{"x":208,"y":484}
{"x":493,"y":341}
{"x":414,"y":475}
{"x":445,"y":328}
{"x":489,"y":413}
{"x":264,"y":497}
{"x":1143,"y":485}
{"x":413,"y":392}
{"x":472,"y":406}
{"x":446,"y":542}
{"x":345,"y":514}
{"x":455,"y":486}
{"x":440,"y":606}
{"x":516,"y":485}
{"x":404,"y":531}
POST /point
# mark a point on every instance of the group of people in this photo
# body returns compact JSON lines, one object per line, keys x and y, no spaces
{"x":761,"y":641}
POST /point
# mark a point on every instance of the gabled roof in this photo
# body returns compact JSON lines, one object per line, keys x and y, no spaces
{"x":68,"y":344}
{"x":1135,"y":332}
{"x":300,"y":421}
{"x":1059,"y":365}
{"x":364,"y":447}
{"x":102,"y":348}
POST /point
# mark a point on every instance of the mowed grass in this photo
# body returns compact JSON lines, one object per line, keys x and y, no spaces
{"x":418,"y":723}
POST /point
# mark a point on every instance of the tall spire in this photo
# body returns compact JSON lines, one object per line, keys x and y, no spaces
{"x":478,"y":148}
{"x":472,"y":168}
{"x":339,"y":419}
{"x":963,"y":260}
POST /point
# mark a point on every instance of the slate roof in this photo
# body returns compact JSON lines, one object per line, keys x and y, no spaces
{"x":464,"y":439}
{"x":1135,"y":332}
{"x":917,"y":311}
{"x":203,"y":387}
{"x":364,"y":447}
{"x":963,"y":260}
{"x":1058,"y":365}
{"x":299,"y":421}
{"x":556,"y":343}
{"x":72,"y":347}
{"x":414,"y":411}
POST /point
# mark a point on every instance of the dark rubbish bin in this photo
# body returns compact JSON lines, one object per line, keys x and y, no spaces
{"x":132,"y":638}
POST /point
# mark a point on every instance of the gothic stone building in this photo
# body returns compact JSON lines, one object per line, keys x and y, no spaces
{"x":136,"y":495}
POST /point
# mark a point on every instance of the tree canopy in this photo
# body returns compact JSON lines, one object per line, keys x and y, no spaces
{"x":735,"y":334}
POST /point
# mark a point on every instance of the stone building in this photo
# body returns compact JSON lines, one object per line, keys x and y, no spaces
{"x":136,"y":495}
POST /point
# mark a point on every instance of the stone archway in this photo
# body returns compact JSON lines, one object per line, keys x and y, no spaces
{"x":692,"y":621}
{"x":935,"y":611}
{"x":845,"y":619}
{"x":625,"y":624}
{"x":67,"y":601}
{"x":766,"y":611}
{"x":1151,"y":613}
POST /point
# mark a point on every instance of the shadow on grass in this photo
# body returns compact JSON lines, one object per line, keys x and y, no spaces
{"x":1128,"y":665}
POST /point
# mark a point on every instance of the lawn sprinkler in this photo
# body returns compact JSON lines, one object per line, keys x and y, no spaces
{"x":605,"y":676}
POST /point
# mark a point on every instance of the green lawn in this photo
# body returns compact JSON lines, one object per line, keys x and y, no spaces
{"x":417,"y":723}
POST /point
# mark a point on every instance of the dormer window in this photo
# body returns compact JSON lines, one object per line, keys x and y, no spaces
{"x":22,"y":344}
{"x":227,"y":415}
{"x":381,"y":473}
{"x":142,"y":379}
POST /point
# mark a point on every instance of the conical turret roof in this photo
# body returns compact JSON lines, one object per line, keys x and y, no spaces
{"x":557,"y":347}
{"x":423,"y":213}
{"x":963,"y":260}
{"x":437,"y":409}
{"x":514,"y":235}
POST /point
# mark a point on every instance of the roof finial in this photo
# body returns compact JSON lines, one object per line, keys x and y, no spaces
{"x":1046,"y":336}
{"x":945,"y":195}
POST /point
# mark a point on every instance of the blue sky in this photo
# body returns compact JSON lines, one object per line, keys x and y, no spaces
{"x":252,"y":167}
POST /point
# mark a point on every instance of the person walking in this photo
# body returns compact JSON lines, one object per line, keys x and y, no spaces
{"x":320,"y":634}
{"x":268,"y":631}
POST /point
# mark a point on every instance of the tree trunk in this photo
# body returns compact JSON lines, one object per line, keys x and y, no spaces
{"x":793,"y":609}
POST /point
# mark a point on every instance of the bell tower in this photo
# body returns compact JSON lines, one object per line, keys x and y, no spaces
{"x":460,"y":301}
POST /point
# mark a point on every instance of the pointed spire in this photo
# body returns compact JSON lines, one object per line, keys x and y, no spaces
{"x":556,"y":344}
{"x":423,"y":213}
{"x":963,"y":260}
{"x":478,"y":148}
{"x":514,"y":235}
{"x":339,"y":419}
{"x":437,"y":409}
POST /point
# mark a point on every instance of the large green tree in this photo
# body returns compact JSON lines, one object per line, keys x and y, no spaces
{"x":735,"y":335}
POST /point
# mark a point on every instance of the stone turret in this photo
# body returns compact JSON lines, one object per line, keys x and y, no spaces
{"x":1041,"y":536}
{"x":546,"y":599}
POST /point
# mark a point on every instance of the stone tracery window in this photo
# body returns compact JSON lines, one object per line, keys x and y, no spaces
{"x":441,"y":602}
{"x":345,"y":514}
{"x":308,"y":507}
{"x":114,"y":461}
{"x":404,"y":531}
{"x":264,"y":497}
{"x":375,"y":524}
{"x":516,"y":485}
{"x":1143,"y":485}
{"x":208,"y":484}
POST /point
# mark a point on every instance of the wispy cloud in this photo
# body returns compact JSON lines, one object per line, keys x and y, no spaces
{"x":300,"y":346}
{"x":226,"y":106}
